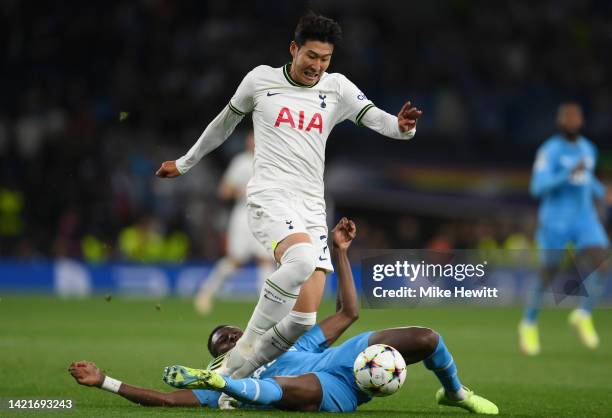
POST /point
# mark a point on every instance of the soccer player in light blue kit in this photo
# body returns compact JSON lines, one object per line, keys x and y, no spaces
{"x":311,"y":376}
{"x":563,"y":178}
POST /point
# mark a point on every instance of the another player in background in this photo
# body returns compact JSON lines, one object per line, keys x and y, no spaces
{"x":294,"y":108}
{"x":564,"y":178}
{"x":241,"y":244}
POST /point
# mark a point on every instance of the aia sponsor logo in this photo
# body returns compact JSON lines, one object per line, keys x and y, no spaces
{"x":285,"y":116}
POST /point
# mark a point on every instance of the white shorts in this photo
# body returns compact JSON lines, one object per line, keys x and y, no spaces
{"x":275,"y":214}
{"x":241,"y":244}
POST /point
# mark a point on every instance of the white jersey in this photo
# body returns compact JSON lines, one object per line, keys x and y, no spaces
{"x":238,"y":174}
{"x":292,"y":123}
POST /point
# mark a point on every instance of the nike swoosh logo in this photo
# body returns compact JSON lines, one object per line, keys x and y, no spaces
{"x":272,"y":94}
{"x":322,"y":259}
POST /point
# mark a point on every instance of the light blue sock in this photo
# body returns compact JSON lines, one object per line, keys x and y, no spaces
{"x":254,"y":391}
{"x":442,"y":364}
{"x":534,"y":301}
{"x":595,"y":285}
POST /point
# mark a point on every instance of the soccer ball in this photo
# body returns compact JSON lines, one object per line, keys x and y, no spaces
{"x":380,"y":370}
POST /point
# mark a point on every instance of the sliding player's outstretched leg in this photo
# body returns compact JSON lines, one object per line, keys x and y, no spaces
{"x":298,"y":393}
{"x":422,"y":344}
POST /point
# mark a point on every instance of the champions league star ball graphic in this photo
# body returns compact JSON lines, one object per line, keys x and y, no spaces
{"x":380,"y":370}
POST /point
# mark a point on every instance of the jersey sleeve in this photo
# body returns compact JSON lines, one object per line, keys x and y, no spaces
{"x":354,"y":104}
{"x":313,"y":341}
{"x":242,"y":101}
{"x":208,"y":398}
{"x":544,"y":177}
{"x":597,"y":187}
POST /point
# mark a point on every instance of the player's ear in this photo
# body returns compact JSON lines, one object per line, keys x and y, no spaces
{"x":293,"y":48}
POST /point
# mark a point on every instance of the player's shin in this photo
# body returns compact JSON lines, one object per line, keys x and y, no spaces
{"x":276,"y":300}
{"x":253,"y":391}
{"x":279,"y":293}
{"x":442,"y":364}
{"x":277,"y":341}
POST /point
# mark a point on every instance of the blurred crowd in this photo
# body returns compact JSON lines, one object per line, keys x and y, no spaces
{"x":97,"y":94}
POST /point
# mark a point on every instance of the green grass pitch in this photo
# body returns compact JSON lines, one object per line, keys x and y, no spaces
{"x":133,"y":340}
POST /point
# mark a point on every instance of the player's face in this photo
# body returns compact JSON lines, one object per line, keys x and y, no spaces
{"x":570,"y":118}
{"x":225,"y":339}
{"x":310,"y":60}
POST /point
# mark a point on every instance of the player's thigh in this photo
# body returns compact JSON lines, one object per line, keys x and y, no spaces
{"x":339,"y":391}
{"x":275,"y":222}
{"x":315,"y":219}
{"x":320,"y":391}
{"x":300,"y":393}
{"x":414,"y":343}
{"x":552,"y":241}
{"x":311,"y":292}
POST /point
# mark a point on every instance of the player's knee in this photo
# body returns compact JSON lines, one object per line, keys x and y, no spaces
{"x":301,"y":257}
{"x":302,"y":321}
{"x":427,"y":339}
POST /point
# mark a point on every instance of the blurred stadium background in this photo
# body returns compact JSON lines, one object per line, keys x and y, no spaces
{"x":96,"y":95}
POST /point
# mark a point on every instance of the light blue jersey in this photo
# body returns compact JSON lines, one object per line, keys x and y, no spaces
{"x":310,"y":354}
{"x":567,"y":211}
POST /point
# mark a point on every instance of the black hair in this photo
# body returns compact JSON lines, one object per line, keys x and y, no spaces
{"x":314,"y":27}
{"x":210,"y":350}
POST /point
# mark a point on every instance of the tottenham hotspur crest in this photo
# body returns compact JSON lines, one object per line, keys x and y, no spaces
{"x":323,"y":97}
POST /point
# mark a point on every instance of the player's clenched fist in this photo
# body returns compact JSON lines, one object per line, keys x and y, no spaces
{"x":86,"y":373}
{"x":344,"y":233}
{"x":408,"y":116}
{"x":168,"y":170}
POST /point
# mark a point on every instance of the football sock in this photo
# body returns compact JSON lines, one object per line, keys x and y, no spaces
{"x":442,"y":364}
{"x":534,"y":302}
{"x":277,"y":340}
{"x":279,"y":293}
{"x":260,"y":392}
{"x":276,"y":299}
{"x":595,"y":285}
{"x":222,"y":270}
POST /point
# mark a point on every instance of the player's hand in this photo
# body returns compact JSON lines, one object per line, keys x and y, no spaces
{"x":168,"y":170}
{"x":407,"y":117}
{"x":344,"y":233}
{"x":86,"y":373}
{"x":580,"y":167}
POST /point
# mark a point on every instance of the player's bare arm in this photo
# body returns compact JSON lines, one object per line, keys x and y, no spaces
{"x":87,"y":373}
{"x":347,"y":307}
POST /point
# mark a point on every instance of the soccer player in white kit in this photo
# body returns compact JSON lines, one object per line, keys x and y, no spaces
{"x":241,"y":244}
{"x":294,"y":108}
